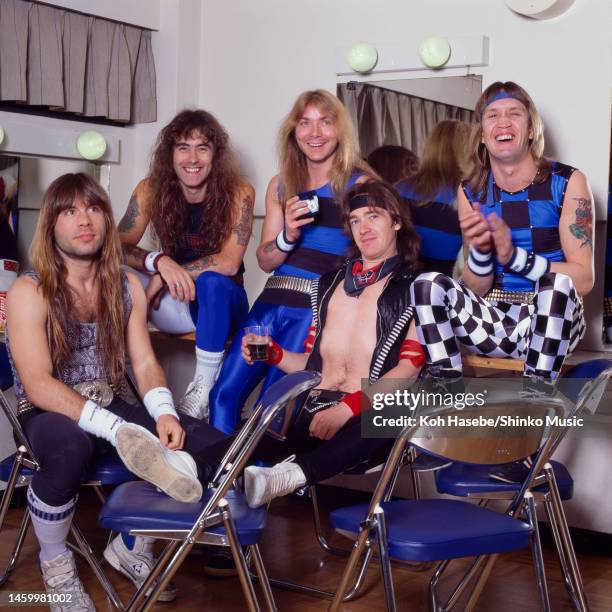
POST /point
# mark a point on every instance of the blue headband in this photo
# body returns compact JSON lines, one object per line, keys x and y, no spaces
{"x":502,"y":95}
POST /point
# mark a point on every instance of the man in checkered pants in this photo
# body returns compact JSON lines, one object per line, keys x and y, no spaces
{"x":528,"y":225}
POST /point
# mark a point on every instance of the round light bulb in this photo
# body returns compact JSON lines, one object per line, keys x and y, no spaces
{"x":434,"y":51}
{"x":362,"y":57}
{"x":91,"y":144}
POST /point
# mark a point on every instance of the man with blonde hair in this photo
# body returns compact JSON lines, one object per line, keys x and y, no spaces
{"x":302,"y":237}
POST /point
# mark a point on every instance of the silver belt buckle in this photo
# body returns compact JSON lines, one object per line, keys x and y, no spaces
{"x":98,"y":391}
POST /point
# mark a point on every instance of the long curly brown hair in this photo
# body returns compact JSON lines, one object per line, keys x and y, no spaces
{"x":168,"y":219}
{"x":481,"y":165}
{"x":382,"y":195}
{"x":48,"y":262}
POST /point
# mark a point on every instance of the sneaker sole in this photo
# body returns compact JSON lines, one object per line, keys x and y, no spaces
{"x":140,"y":451}
{"x":167,"y":595}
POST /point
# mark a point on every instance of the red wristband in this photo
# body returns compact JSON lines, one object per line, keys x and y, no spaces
{"x":275,"y":353}
{"x":357,"y":402}
{"x":412,"y":346}
{"x":310,"y":338}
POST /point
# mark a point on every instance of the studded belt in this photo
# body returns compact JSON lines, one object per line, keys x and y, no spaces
{"x":510,"y":297}
{"x":292,"y":283}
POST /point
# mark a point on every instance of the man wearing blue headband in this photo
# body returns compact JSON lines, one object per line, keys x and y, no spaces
{"x":527,"y":223}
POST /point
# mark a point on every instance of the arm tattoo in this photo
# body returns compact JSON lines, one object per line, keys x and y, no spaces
{"x":133,"y":256}
{"x":243,"y":228}
{"x":583,"y":228}
{"x":129,"y":218}
{"x":269,"y":246}
{"x":203,"y":263}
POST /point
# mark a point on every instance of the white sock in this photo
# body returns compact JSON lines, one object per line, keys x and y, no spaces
{"x":100,"y":422}
{"x":51,"y":525}
{"x":208,"y":366}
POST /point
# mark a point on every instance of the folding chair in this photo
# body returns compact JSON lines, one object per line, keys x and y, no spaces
{"x":419,"y":530}
{"x":583,"y":386}
{"x":221,"y":518}
{"x":17,"y":470}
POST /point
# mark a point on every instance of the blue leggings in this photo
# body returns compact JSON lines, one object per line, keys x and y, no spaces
{"x":218,"y":310}
{"x":289,"y":327}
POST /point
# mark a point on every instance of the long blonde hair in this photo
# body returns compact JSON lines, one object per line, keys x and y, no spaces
{"x":51,"y":269}
{"x":292,"y":161}
{"x":443,"y":163}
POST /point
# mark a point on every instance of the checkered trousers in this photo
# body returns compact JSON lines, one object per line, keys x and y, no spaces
{"x":542,"y":333}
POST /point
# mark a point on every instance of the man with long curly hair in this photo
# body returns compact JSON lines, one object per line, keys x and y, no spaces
{"x":319,"y":159}
{"x":70,"y":322}
{"x":200,"y":211}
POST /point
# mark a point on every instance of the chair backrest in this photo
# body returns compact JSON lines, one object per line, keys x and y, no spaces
{"x":273,"y":401}
{"x":479,"y":435}
{"x":18,"y":432}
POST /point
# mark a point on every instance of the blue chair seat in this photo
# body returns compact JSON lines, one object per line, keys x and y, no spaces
{"x":436,"y":529}
{"x":6,"y":465}
{"x":461,"y":479}
{"x":139,"y":505}
{"x":108,"y":469}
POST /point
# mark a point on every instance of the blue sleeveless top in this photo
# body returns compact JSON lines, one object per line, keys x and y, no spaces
{"x":533,"y":217}
{"x":323,"y":245}
{"x":437,"y":223}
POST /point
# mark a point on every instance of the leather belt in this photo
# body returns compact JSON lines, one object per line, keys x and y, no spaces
{"x":292,"y":283}
{"x":510,"y":297}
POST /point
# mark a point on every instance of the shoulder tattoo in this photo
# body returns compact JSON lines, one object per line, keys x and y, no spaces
{"x":129,"y":218}
{"x":582,"y":229}
{"x":242,"y":229}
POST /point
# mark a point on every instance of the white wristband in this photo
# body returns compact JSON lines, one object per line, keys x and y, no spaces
{"x":159,"y":401}
{"x":150,"y":261}
{"x":99,"y":421}
{"x":283,"y":244}
{"x":529,"y":265}
{"x":480,"y":263}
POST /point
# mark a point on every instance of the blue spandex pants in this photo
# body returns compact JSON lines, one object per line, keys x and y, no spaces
{"x":218,"y":310}
{"x":289,"y":327}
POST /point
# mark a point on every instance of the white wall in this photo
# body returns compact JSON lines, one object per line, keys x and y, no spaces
{"x":257,"y":57}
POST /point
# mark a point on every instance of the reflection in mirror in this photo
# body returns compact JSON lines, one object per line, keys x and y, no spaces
{"x":427,"y":119}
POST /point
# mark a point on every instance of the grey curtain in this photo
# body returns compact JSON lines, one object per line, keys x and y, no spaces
{"x":382,"y":116}
{"x":76,"y":63}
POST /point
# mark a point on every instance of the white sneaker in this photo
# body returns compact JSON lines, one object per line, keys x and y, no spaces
{"x":61,"y":579}
{"x":136,"y":564}
{"x":195,"y":401}
{"x":262,"y":484}
{"x":174,"y":472}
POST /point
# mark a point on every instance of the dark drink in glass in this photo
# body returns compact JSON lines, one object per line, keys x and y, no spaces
{"x":257,"y":340}
{"x":258,"y":350}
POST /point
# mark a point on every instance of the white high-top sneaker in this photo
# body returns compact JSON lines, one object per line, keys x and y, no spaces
{"x":195,"y":401}
{"x":174,"y":472}
{"x":263,"y":484}
{"x":136,"y":564}
{"x":63,"y":584}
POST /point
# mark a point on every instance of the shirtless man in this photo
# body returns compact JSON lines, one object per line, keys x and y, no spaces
{"x":355,"y":309}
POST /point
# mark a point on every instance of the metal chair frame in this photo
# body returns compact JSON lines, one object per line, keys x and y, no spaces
{"x":374,"y":529}
{"x":25,"y":457}
{"x":216,"y":510}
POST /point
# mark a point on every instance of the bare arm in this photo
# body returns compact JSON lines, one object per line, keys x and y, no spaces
{"x":269,"y":255}
{"x":576,"y":231}
{"x":228,"y":260}
{"x":476,"y":234}
{"x":27,"y":319}
{"x":133,"y":225}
